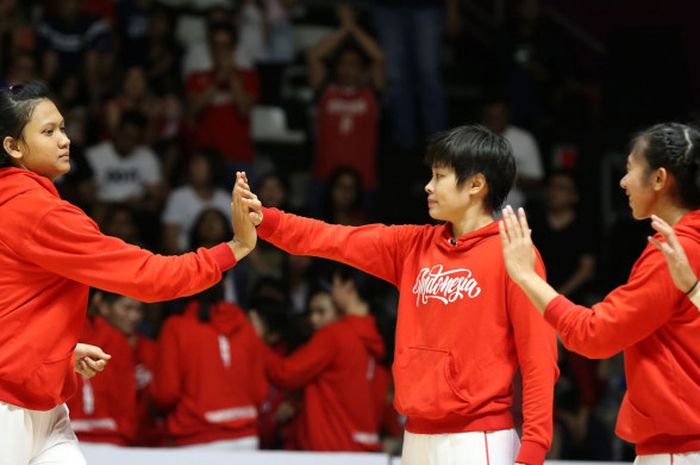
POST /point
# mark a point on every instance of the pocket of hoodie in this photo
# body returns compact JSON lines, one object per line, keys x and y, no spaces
{"x":50,"y":375}
{"x":425,"y":385}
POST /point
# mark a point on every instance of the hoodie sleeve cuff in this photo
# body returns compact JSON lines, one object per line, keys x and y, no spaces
{"x":556,"y":309}
{"x":531,"y":453}
{"x":270,"y":222}
{"x":223,"y":256}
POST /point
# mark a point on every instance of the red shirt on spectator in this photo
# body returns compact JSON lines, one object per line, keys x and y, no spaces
{"x":104,"y":408}
{"x":220,"y":125}
{"x":149,"y":431}
{"x":347,"y":120}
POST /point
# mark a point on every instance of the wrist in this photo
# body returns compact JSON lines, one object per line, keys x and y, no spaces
{"x":693,"y":289}
{"x":239,"y":250}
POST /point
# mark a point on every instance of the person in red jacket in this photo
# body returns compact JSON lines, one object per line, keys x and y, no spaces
{"x":104,"y":408}
{"x":51,"y":252}
{"x":648,"y":318}
{"x":210,"y":375}
{"x":337,"y":412}
{"x":463,"y":326}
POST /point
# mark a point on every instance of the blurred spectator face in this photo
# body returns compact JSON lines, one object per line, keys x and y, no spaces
{"x":272,"y":192}
{"x":200,"y":171}
{"x":135,"y":82}
{"x":561,"y":192}
{"x":70,"y":8}
{"x":23,"y":69}
{"x":496,"y":117}
{"x":529,"y":10}
{"x":299,"y":264}
{"x":159,"y":25}
{"x":128,"y":137}
{"x":7,"y":6}
{"x":123,"y":313}
{"x":212,"y":228}
{"x":349,"y":70}
{"x":321,"y":310}
{"x":120,"y":223}
{"x":222,"y":45}
{"x":345,"y":193}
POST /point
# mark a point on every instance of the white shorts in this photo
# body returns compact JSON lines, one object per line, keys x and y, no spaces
{"x":474,"y":448}
{"x":33,"y":437}
{"x":687,"y":458}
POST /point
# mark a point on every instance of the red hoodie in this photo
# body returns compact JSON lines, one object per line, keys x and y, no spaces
{"x":104,"y":408}
{"x":333,"y":368}
{"x":211,"y":374}
{"x":463,"y":326}
{"x":150,"y":430}
{"x":50,"y":253}
{"x":659,"y":330}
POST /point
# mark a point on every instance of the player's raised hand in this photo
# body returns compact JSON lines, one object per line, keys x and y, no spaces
{"x":518,"y":251}
{"x":683,"y":276}
{"x":250,"y":200}
{"x":244,"y":233}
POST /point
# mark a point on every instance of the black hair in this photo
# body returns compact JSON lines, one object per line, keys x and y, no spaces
{"x":17,"y":104}
{"x":471,"y":150}
{"x":133,"y":118}
{"x":360,"y":280}
{"x":675,"y":147}
{"x":568,"y":174}
{"x":195,"y":239}
{"x":222,"y":26}
{"x":273,"y":312}
{"x":215,"y":162}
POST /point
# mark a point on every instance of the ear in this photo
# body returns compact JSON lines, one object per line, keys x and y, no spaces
{"x":660,"y":179}
{"x":11,"y":146}
{"x":477,"y":183}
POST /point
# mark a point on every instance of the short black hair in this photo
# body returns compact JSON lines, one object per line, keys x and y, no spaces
{"x":473,"y":149}
{"x":133,"y":118}
{"x":222,"y":26}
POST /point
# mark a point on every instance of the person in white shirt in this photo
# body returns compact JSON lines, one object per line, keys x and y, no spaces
{"x":529,"y":171}
{"x":185,"y":203}
{"x":125,"y":171}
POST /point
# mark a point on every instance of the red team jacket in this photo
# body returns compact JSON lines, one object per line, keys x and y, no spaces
{"x":659,"y":330}
{"x":104,"y":408}
{"x":334,"y":370}
{"x":210,"y":374}
{"x":50,"y":253}
{"x":463,"y":325}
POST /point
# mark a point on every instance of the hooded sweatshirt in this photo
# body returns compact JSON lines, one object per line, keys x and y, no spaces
{"x":463,"y":325}
{"x":659,"y":330}
{"x":104,"y":408}
{"x":210,"y":375}
{"x":334,"y":369}
{"x":50,"y":254}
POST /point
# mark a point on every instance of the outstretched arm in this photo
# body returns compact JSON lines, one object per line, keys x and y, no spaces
{"x":682,"y":274}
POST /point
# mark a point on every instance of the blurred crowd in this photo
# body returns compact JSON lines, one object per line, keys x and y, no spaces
{"x":327,"y":107}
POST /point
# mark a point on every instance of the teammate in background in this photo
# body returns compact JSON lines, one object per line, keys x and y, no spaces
{"x":654,"y":323}
{"x":50,"y":254}
{"x":464,"y":326}
{"x":337,"y":411}
{"x":211,"y":375}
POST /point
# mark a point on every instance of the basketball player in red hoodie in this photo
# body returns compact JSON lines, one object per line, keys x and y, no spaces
{"x":464,"y":326}
{"x":210,"y":376}
{"x":648,"y":318}
{"x":332,"y":369}
{"x":50,"y":254}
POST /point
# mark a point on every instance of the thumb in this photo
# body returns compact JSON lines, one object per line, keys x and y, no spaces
{"x":96,"y":353}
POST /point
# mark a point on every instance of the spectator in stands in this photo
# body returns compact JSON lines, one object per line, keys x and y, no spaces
{"x":411,"y":34}
{"x":104,"y":408}
{"x":72,"y":42}
{"x":120,"y":221}
{"x":185,"y":203}
{"x":16,"y":38}
{"x":211,"y":375}
{"x":21,"y":69}
{"x":163,"y":53}
{"x":529,"y":171}
{"x":347,"y":108}
{"x":338,"y":412}
{"x":564,"y":239}
{"x":125,"y":170}
{"x":344,"y":198}
{"x":220,"y":101}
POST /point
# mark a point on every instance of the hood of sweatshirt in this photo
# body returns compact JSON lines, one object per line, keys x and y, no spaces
{"x":15,"y":182}
{"x":366,"y":329}
{"x":689,"y":225}
{"x":226,"y":318}
{"x":449,"y":243}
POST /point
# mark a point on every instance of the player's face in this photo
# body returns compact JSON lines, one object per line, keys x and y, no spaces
{"x":637,"y":184}
{"x":322,"y":310}
{"x":44,"y":147}
{"x":446,"y":200}
{"x":124,"y":314}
